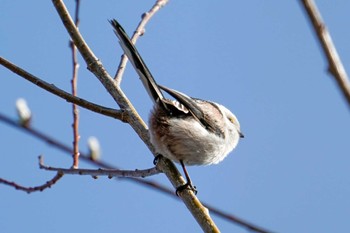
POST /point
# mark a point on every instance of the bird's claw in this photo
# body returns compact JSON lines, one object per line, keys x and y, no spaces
{"x":157,"y":158}
{"x":188,"y":186}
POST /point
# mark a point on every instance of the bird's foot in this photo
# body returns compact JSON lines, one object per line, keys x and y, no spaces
{"x":188,"y":186}
{"x":157,"y":158}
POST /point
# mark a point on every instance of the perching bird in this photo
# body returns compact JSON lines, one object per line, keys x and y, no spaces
{"x":186,"y":130}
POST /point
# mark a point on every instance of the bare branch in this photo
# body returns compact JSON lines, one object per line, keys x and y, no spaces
{"x":55,"y":143}
{"x":74,"y":81}
{"x":40,"y":188}
{"x":117,"y":114}
{"x":138,"y":32}
{"x":101,"y":172}
{"x":336,"y":67}
{"x":51,"y":141}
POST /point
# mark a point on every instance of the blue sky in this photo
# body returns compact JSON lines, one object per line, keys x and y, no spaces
{"x":258,"y":58}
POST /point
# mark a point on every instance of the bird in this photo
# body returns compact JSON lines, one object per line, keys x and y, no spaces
{"x":186,"y":130}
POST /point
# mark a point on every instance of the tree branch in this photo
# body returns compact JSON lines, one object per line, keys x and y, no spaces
{"x":336,"y":67}
{"x":101,"y":172}
{"x":52,"y":141}
{"x":117,"y":114}
{"x":74,"y":82}
{"x":40,"y":188}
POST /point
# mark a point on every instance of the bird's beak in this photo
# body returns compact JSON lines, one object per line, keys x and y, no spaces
{"x":241,"y":135}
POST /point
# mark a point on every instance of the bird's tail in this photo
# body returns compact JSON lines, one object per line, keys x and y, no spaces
{"x":136,"y":60}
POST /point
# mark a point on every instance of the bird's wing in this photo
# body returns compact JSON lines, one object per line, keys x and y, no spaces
{"x":208,"y":122}
{"x":186,"y":101}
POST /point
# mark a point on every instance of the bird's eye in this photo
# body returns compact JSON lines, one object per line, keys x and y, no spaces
{"x":232,"y":120}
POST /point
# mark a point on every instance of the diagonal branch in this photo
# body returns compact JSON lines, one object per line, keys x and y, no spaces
{"x":336,"y":67}
{"x":51,"y":141}
{"x":117,"y":114}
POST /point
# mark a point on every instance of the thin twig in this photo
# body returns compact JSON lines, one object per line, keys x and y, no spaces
{"x":117,"y":114}
{"x":40,"y":188}
{"x":336,"y":67}
{"x":74,"y":93}
{"x":101,"y":172}
{"x":151,"y":184}
{"x":138,"y":32}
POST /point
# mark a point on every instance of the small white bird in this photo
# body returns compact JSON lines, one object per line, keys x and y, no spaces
{"x":187,"y":130}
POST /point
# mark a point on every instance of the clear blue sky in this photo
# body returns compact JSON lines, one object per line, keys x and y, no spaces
{"x":259,"y":58}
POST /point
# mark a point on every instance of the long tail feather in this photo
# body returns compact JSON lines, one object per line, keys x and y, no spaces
{"x":138,"y":63}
